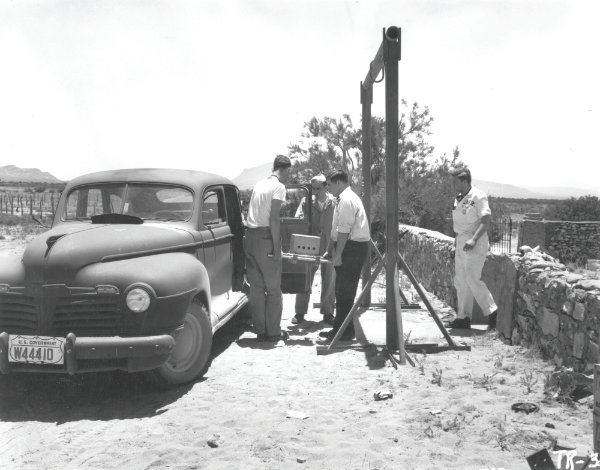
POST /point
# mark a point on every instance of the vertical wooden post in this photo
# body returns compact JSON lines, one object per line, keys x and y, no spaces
{"x":391,"y":56}
{"x":366,"y":99}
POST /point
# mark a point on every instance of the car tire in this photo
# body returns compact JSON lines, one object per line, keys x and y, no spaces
{"x":191,"y":354}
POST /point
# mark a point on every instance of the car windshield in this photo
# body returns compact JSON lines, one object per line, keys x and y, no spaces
{"x":144,"y":200}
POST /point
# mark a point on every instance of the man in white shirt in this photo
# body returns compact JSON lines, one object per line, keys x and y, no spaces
{"x":470,"y":216}
{"x":262,"y":244}
{"x":350,"y":237}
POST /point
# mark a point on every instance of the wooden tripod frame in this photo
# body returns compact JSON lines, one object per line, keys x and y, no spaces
{"x":428,"y":347}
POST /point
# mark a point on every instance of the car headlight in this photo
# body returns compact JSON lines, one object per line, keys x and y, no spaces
{"x":138,"y":300}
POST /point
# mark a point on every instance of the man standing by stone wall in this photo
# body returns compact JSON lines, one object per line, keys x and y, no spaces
{"x":471,"y":217}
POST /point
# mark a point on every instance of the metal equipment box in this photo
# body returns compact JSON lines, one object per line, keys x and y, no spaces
{"x":305,"y":245}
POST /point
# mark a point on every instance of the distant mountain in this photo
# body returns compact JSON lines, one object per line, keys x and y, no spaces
{"x":546,"y":192}
{"x":510,"y":191}
{"x":250,"y":176}
{"x":560,"y":192}
{"x":14,"y":174}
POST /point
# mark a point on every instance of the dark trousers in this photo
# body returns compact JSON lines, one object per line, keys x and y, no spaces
{"x":346,"y":281}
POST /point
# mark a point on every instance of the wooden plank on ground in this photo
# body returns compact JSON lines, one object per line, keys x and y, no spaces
{"x":323,"y":349}
{"x":435,"y":347}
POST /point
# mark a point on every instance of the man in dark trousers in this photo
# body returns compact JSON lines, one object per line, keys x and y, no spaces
{"x":350,"y":237}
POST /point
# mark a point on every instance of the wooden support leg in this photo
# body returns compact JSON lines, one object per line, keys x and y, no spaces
{"x":399,"y":326}
{"x":357,"y":303}
{"x":421,"y":293}
{"x":379,"y":256}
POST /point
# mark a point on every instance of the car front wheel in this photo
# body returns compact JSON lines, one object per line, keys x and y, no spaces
{"x":191,"y":353}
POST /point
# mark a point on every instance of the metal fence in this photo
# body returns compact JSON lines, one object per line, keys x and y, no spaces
{"x":500,"y":234}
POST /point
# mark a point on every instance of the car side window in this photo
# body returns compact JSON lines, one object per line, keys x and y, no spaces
{"x":213,"y":207}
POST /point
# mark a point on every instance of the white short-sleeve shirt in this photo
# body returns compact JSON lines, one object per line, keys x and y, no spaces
{"x":350,"y":217}
{"x":467,"y":212}
{"x":259,"y":209}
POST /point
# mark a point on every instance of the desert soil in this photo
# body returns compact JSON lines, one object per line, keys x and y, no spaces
{"x":282,"y":406}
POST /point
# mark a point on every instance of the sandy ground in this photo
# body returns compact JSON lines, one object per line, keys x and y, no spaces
{"x":117,"y":421}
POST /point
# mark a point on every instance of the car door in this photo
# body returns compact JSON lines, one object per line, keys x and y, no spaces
{"x":295,"y":277}
{"x":218,"y":243}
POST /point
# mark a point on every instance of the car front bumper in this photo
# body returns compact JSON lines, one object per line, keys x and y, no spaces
{"x":93,"y":354}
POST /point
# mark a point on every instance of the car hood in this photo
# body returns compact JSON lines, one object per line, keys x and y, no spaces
{"x":57,"y":255}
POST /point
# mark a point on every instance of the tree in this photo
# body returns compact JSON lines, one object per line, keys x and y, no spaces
{"x":425,"y":191}
{"x":327,"y":144}
{"x":572,"y":209}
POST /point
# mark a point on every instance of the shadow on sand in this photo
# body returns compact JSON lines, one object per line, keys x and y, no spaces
{"x":95,"y":396}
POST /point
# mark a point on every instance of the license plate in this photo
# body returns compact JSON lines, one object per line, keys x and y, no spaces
{"x":36,"y":349}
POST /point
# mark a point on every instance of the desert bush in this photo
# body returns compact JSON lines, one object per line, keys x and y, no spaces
{"x":575,"y":209}
{"x":437,"y":377}
{"x":26,"y":223}
{"x":528,"y":381}
{"x":10,"y":220}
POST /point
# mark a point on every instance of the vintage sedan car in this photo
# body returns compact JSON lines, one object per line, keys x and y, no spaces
{"x":138,"y":271}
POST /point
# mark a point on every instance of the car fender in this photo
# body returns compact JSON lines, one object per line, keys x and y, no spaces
{"x":12,"y":270}
{"x":168,"y":274}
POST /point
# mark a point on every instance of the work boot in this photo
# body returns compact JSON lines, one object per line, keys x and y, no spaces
{"x":327,"y":334}
{"x":284,"y":335}
{"x":328,"y":318}
{"x":297,"y":319}
{"x":460,"y":323}
{"x":492,"y":320}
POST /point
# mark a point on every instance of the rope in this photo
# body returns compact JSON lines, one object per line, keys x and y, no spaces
{"x":371,"y":73}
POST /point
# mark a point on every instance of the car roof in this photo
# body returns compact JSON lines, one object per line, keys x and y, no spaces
{"x":191,"y":178}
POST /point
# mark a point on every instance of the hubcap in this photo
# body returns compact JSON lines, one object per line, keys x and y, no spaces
{"x":187,"y":345}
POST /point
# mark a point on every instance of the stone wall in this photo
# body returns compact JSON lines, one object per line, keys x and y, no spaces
{"x":567,"y":241}
{"x":540,"y":303}
{"x":557,"y":311}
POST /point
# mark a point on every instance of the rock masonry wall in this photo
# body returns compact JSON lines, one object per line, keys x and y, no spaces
{"x":541,"y":304}
{"x":568,"y":241}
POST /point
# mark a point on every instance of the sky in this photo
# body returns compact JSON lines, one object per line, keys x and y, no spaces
{"x":224,"y":85}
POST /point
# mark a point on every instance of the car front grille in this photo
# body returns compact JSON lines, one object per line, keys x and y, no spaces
{"x":18,"y":313}
{"x":49,"y":310}
{"x":86,"y":312}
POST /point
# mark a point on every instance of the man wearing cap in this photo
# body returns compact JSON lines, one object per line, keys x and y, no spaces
{"x":262,"y":244}
{"x":471,"y":217}
{"x":321,"y":219}
{"x":350,"y":237}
